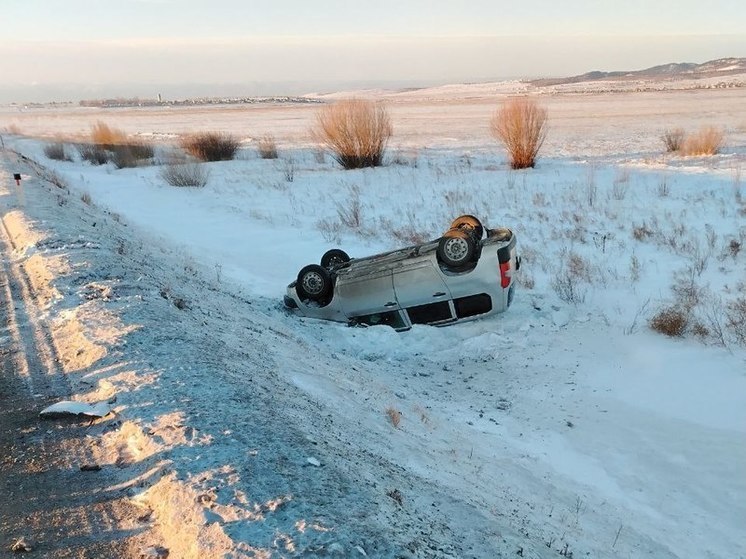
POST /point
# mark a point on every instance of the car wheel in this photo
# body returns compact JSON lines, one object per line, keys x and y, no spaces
{"x":314,"y":283}
{"x":334,"y":258}
{"x":456,"y":248}
{"x":469,"y":222}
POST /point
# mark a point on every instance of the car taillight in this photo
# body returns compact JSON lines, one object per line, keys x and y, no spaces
{"x":505,"y":274}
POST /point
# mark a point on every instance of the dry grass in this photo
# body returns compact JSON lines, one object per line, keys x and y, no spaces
{"x":211,"y":146}
{"x":184,"y":174}
{"x":93,"y":154}
{"x":131,"y":155}
{"x":671,"y":321}
{"x":521,"y":125}
{"x":106,"y":137}
{"x":267,"y":147}
{"x":355,"y":131}
{"x":673,"y":139}
{"x":708,"y":141}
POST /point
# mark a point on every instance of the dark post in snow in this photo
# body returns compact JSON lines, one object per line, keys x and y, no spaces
{"x":17,"y":177}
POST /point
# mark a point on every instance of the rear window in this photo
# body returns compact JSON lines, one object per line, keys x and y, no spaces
{"x":432,"y":312}
{"x":472,"y":305}
{"x":391,"y":318}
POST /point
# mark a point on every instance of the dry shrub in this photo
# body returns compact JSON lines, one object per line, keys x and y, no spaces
{"x":394,"y":416}
{"x":211,"y":146}
{"x":642,"y":232}
{"x":736,"y":319}
{"x":671,"y":321}
{"x":673,"y":139}
{"x":267,"y":147}
{"x":119,"y":149}
{"x":521,"y":125}
{"x":184,"y":174}
{"x":708,"y":141}
{"x":355,"y":131}
{"x":132,"y":154}
{"x":57,"y":151}
{"x":571,"y":278}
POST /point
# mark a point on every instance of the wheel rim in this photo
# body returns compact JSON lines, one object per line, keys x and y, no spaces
{"x":456,"y":249}
{"x":313,"y":283}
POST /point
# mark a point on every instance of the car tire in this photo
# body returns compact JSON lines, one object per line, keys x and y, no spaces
{"x":469,"y":222}
{"x":456,"y":248}
{"x":334,"y":258}
{"x":314,"y":283}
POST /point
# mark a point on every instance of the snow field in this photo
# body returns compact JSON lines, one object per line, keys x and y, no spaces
{"x":564,"y":423}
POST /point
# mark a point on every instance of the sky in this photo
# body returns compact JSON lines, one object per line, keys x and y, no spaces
{"x":77,"y":49}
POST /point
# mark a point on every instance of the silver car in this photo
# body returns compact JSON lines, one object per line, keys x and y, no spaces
{"x":465,"y":274}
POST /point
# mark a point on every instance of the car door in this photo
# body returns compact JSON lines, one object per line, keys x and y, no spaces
{"x":367,"y":294}
{"x":423,"y":293}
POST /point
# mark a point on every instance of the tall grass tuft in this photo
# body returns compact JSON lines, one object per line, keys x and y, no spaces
{"x":211,"y":146}
{"x":267,"y":147}
{"x":708,"y":141}
{"x":184,"y":174}
{"x":673,"y":139}
{"x":355,"y":132}
{"x":521,"y":125}
{"x":107,"y":137}
{"x":57,"y":151}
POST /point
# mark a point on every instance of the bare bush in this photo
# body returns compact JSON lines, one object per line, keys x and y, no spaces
{"x":355,"y":131}
{"x":521,"y":125}
{"x":708,"y":141}
{"x":57,"y":151}
{"x":131,"y":155}
{"x":267,"y":147}
{"x":736,"y":319}
{"x":673,"y":139}
{"x":671,"y":321}
{"x":93,"y":154}
{"x":184,"y":174}
{"x":350,"y":214}
{"x":211,"y":146}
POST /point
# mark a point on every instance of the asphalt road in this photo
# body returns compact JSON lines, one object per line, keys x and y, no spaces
{"x":45,"y":498}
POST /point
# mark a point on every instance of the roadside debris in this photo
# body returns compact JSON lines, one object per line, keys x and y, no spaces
{"x":68,"y":408}
{"x":20,"y":546}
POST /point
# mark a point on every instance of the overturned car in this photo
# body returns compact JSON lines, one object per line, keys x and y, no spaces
{"x":465,"y":274}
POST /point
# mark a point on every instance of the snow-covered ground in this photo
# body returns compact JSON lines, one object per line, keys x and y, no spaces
{"x":566,"y":426}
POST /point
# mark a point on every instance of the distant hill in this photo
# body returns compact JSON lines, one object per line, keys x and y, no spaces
{"x":672,"y":71}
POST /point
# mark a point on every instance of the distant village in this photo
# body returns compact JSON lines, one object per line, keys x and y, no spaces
{"x":128,"y":102}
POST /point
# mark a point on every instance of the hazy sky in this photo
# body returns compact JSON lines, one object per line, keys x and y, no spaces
{"x":84,"y":48}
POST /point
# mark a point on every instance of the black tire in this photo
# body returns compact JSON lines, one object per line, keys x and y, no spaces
{"x":334,"y":258}
{"x":314,"y":283}
{"x":456,"y":248}
{"x":469,"y":222}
